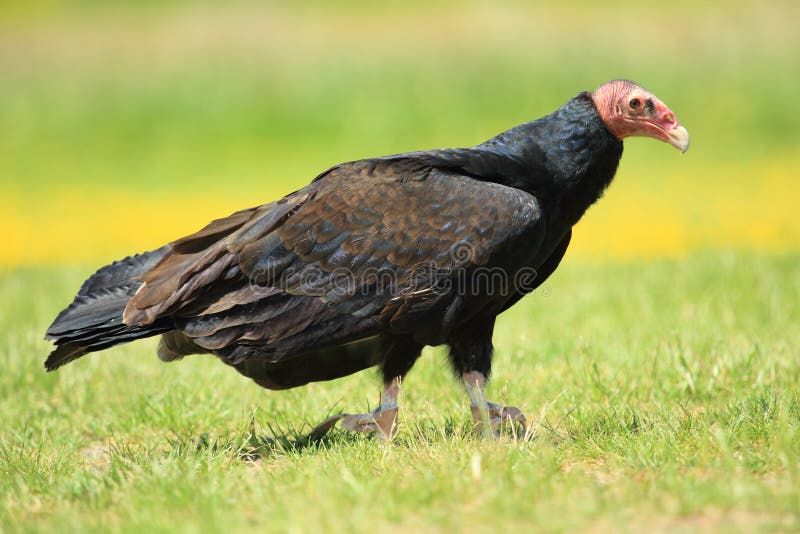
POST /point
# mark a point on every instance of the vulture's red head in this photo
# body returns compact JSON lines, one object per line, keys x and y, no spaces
{"x":628,"y":110}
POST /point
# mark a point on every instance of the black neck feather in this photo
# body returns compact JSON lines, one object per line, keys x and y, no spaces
{"x":566,"y":159}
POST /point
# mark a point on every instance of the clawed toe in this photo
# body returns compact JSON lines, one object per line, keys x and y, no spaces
{"x":499,"y":415}
{"x":382,"y":422}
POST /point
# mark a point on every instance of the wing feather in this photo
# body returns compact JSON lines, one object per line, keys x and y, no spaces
{"x":371,"y":240}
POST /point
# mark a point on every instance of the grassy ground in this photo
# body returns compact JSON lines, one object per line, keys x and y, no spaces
{"x":665,"y":396}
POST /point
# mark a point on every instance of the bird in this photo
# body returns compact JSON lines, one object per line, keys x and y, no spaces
{"x":374,"y":260}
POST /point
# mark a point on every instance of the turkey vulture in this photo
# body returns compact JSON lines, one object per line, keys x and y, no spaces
{"x":374,"y":260}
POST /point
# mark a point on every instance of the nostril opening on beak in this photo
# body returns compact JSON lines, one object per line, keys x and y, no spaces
{"x":669,"y":117}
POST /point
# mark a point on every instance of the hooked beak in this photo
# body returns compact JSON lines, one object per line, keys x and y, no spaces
{"x":670,"y":130}
{"x":678,"y":137}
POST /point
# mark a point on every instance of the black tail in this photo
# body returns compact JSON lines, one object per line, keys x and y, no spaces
{"x":94,"y":319}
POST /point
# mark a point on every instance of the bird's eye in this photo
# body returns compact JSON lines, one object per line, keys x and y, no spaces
{"x":634,"y":103}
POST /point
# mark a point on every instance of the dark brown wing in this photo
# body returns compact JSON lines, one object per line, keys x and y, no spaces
{"x":367,"y":246}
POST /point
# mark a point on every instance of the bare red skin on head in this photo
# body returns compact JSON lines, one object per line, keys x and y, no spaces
{"x":629,"y":110}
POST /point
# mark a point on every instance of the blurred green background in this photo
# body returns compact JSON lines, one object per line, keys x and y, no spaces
{"x":124,"y":125}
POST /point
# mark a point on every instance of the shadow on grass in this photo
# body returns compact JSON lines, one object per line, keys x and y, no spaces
{"x":257,"y":442}
{"x":253,"y":445}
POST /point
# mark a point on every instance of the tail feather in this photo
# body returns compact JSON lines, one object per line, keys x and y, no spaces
{"x":91,"y":311}
{"x":93,"y":321}
{"x":68,"y":350}
{"x":122,"y":271}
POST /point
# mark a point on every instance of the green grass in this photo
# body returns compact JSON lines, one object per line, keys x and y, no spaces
{"x":665,"y":396}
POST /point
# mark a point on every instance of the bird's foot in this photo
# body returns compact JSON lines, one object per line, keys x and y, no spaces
{"x":488,"y":415}
{"x":496,"y":416}
{"x":381,"y":422}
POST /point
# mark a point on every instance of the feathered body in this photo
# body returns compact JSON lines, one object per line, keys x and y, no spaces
{"x":363,"y":266}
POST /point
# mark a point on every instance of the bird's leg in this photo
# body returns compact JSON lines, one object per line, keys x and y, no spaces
{"x":382,"y":420}
{"x":398,"y":358}
{"x":488,"y":414}
{"x":471,"y":357}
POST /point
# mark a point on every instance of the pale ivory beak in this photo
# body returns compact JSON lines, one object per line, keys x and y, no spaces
{"x":679,"y":138}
